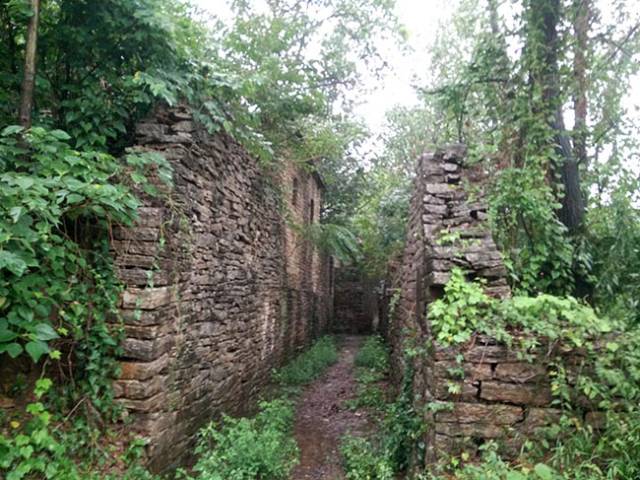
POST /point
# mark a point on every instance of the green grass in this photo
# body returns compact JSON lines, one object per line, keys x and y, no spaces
{"x":309,"y":365}
{"x":362,"y":460}
{"x":373,"y":355}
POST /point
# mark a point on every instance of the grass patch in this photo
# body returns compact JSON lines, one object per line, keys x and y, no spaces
{"x":362,"y":460}
{"x":373,"y":355}
{"x":309,"y":365}
{"x":372,"y":362}
{"x":400,"y":428}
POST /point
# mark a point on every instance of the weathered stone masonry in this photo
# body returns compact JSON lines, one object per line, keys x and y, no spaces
{"x":491,"y":394}
{"x":355,"y":303}
{"x":219,"y":289}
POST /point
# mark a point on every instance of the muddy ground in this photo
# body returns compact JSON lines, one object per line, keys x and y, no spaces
{"x":322,"y":418}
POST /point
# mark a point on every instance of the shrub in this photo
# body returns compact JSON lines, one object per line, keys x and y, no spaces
{"x":363,"y":460}
{"x":249,"y":448}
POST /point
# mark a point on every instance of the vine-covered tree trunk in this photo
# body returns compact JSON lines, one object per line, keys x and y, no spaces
{"x":29,"y":78}
{"x":545,"y":15}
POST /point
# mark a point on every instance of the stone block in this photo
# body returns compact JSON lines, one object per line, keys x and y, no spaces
{"x":525,"y":394}
{"x":471,"y":371}
{"x":481,"y":413}
{"x":467,"y":390}
{"x":520,"y":372}
{"x":148,"y":298}
{"x":539,"y":417}
{"x":475,"y":430}
{"x":143,"y":370}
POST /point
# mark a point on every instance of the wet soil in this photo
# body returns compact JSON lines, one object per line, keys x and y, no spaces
{"x":322,"y":418}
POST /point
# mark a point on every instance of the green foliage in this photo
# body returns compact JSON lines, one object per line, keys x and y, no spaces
{"x":492,"y":467}
{"x":373,"y":355}
{"x":538,"y":254}
{"x":455,"y":316}
{"x":372,"y":362}
{"x":333,"y":239}
{"x":608,"y":377}
{"x":465,"y":310}
{"x":363,"y":461}
{"x":614,"y":242}
{"x":398,"y":440}
{"x":309,"y":365}
{"x":39,"y":450}
{"x":50,"y":195}
{"x":249,"y":448}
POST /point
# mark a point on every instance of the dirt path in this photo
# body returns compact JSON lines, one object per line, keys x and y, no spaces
{"x":322,"y":418}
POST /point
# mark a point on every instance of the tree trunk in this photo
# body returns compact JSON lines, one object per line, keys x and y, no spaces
{"x":546,"y":15}
{"x":29,"y":79}
{"x":582,"y":10}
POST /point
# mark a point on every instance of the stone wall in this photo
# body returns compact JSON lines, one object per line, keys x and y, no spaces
{"x":482,"y":390}
{"x":355,"y":303}
{"x":219,"y":289}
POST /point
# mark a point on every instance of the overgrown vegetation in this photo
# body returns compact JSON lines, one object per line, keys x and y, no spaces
{"x":372,"y":363}
{"x":563,"y":204}
{"x":309,"y":365}
{"x":609,"y":377}
{"x":77,"y":76}
{"x":249,"y":448}
{"x":389,"y":451}
{"x":261,"y":446}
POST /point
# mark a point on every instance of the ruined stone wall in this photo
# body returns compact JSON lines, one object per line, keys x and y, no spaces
{"x":308,"y":273}
{"x":219,"y":289}
{"x":482,"y":390}
{"x":355,"y":303}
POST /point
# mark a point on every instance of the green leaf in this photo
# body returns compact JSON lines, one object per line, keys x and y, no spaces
{"x":36,"y":349}
{"x":44,"y":332}
{"x":11,"y":130}
{"x":12,"y":262}
{"x":60,"y":135}
{"x":6,"y":335}
{"x":13,"y":349}
{"x":74,"y":198}
{"x":543,"y":471}
{"x":515,"y":476}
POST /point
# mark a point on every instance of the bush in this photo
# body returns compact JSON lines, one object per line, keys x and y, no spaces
{"x":249,"y":448}
{"x":373,"y":355}
{"x":309,"y":365}
{"x":363,"y":460}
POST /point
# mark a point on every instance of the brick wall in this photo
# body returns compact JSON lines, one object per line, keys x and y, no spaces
{"x":220,"y":290}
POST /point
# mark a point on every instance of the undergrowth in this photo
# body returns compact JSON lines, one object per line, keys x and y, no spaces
{"x":249,"y":448}
{"x":309,"y":365}
{"x":372,"y":363}
{"x":261,"y":447}
{"x":389,"y":451}
{"x":59,"y":297}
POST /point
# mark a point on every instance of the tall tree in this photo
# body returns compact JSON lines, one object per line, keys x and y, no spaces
{"x":543,"y":18}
